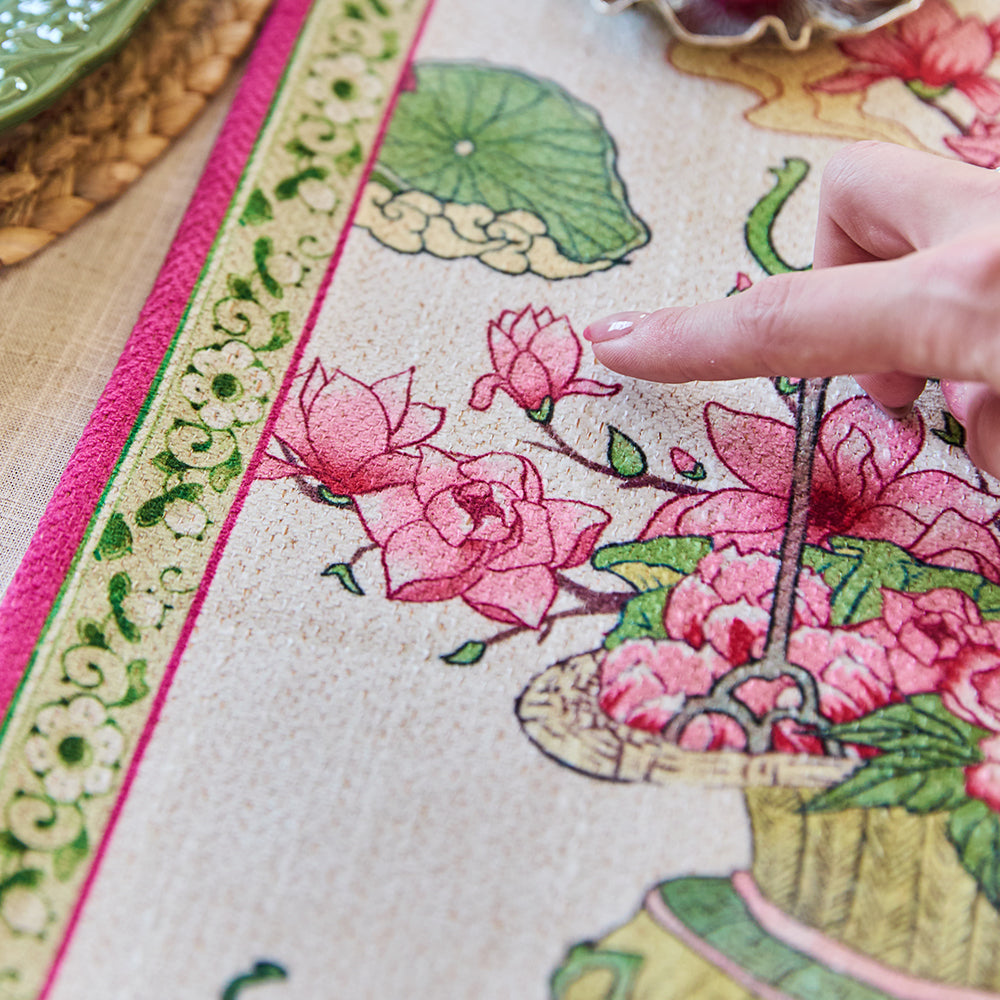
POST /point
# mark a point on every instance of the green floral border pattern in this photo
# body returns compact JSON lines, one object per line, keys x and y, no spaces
{"x":72,"y":733}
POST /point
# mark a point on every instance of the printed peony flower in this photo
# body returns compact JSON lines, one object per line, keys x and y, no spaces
{"x":346,"y":88}
{"x":971,"y":685}
{"x":349,"y":435}
{"x":726,"y":602}
{"x":75,"y":749}
{"x":227,"y":385}
{"x":980,"y":145}
{"x":536,"y":358}
{"x":645,"y":683}
{"x":852,"y":674}
{"x":479,"y":528}
{"x":860,"y":487}
{"x":932,"y":50}
{"x":982,"y":781}
{"x":922,"y":633}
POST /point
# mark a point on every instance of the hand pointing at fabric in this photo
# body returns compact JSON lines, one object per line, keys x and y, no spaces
{"x":905,"y":287}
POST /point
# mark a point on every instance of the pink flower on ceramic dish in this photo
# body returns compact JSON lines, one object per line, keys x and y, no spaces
{"x":860,"y":487}
{"x":931,"y":51}
{"x":479,"y":528}
{"x":726,"y":603}
{"x":348,"y":435}
{"x":980,"y":145}
{"x":536,"y":357}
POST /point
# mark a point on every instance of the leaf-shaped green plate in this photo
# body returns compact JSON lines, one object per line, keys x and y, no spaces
{"x":481,"y":135}
{"x":47,"y":45}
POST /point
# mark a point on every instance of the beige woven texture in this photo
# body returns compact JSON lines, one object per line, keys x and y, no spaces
{"x":101,"y":136}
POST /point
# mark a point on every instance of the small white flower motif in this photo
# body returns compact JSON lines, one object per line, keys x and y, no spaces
{"x":227,"y":385}
{"x":345,"y":87}
{"x":24,"y":911}
{"x":184,"y":517}
{"x":75,"y":749}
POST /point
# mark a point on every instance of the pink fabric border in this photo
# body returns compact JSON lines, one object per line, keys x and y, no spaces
{"x":36,"y":584}
{"x":834,"y":955}
{"x":244,"y":122}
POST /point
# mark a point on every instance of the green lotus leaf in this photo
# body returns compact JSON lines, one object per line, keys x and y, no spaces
{"x":481,"y":135}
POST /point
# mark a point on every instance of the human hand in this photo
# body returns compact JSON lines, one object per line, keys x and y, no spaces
{"x":905,"y":286}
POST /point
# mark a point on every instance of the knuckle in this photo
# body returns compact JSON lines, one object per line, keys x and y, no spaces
{"x":761,"y":324}
{"x":958,"y":314}
{"x":850,"y":165}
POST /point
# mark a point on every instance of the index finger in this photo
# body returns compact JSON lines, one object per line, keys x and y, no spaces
{"x":933,"y":313}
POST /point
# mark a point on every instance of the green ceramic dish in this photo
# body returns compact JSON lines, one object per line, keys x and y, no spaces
{"x":47,"y":45}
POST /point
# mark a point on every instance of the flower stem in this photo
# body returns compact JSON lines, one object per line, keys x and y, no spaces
{"x":560,"y":447}
{"x":595,"y":601}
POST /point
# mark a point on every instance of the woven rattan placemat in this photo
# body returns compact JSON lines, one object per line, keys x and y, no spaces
{"x":103,"y":133}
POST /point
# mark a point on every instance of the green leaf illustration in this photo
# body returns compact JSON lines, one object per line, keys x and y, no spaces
{"x":786,"y":386}
{"x":223,"y":474}
{"x":858,"y":569}
{"x":344,"y":573}
{"x":262,"y":249}
{"x":974,"y":829}
{"x":544,"y":412}
{"x":289,"y":187}
{"x":167,"y":462}
{"x":641,"y":618}
{"x":116,"y":539}
{"x":952,"y":433}
{"x":240,"y":288}
{"x":925,"y":750}
{"x":68,"y":857}
{"x":333,"y":499}
{"x":482,"y":135}
{"x":587,"y":959}
{"x":151,"y":512}
{"x":137,"y":686}
{"x":654,"y":563}
{"x":90,"y":633}
{"x":281,"y":332}
{"x":624,"y":455}
{"x":119,"y":587}
{"x":468,"y":653}
{"x":260,"y":973}
{"x":257,"y":209}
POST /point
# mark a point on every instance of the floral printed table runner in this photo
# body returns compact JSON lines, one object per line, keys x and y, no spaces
{"x":377,"y":643}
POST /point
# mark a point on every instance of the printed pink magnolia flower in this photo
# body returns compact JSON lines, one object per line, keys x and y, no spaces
{"x":479,"y":528}
{"x":348,"y":435}
{"x":982,"y":781}
{"x":726,"y":603}
{"x":686,"y":464}
{"x":980,"y":145}
{"x":931,"y":50}
{"x":860,"y":487}
{"x":536,"y":357}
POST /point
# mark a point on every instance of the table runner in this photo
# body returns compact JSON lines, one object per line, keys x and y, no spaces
{"x":364,"y":579}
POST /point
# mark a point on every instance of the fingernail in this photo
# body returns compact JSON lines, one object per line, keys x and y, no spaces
{"x":896,"y":412}
{"x":612,"y":327}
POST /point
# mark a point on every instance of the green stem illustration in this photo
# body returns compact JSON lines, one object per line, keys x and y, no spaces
{"x":763,"y":215}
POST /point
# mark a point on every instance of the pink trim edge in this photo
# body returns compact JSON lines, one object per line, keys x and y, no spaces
{"x":839,"y":957}
{"x":661,"y":913}
{"x":271,"y":46}
{"x":35,"y":585}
